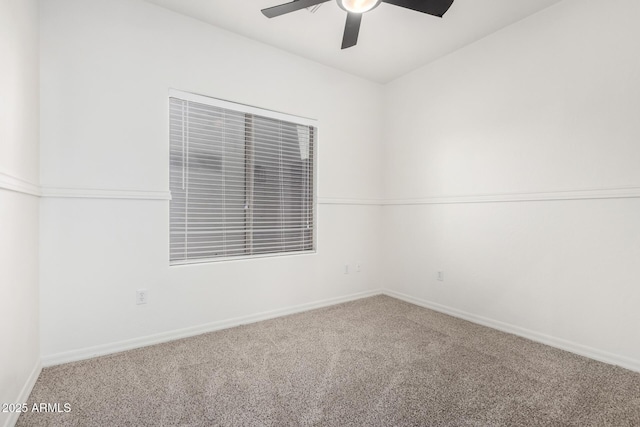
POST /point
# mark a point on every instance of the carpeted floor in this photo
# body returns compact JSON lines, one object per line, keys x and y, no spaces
{"x":372,"y":362}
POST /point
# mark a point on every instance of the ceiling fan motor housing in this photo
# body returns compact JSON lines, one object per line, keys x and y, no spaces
{"x":358,"y":6}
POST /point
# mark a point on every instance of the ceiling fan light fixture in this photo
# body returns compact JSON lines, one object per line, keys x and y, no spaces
{"x":358,"y":6}
{"x":355,"y":9}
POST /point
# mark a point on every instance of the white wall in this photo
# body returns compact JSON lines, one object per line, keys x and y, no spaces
{"x":19,"y":345}
{"x":106,"y":68}
{"x":544,"y":109}
{"x":549,"y":104}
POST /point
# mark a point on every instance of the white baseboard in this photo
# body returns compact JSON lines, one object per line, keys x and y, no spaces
{"x":101,"y":350}
{"x":582,"y":350}
{"x":23,"y":396}
{"x":116,"y":347}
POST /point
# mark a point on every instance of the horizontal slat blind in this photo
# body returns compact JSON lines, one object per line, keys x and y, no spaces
{"x":241,"y":184}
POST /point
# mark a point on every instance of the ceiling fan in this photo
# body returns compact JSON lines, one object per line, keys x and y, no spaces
{"x":355,"y":9}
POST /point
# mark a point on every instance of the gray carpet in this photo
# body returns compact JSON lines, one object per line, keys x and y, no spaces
{"x":372,"y":362}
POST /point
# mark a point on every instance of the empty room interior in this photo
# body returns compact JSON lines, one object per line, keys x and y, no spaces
{"x":369,"y":213}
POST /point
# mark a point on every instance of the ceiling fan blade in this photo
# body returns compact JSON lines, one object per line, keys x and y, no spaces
{"x":272,"y":12}
{"x":432,"y":7}
{"x":351,"y":30}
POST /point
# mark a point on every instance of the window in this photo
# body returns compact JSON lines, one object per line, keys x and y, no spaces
{"x":241,"y":179}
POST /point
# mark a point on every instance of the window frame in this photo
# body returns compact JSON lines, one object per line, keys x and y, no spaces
{"x":271,"y":114}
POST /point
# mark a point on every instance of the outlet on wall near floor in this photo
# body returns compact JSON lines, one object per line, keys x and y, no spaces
{"x":441,"y":276}
{"x":141,"y":296}
{"x":358,"y":268}
{"x":346,"y":269}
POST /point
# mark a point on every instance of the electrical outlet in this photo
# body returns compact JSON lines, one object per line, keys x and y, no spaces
{"x":441,"y":276}
{"x":346,"y":269}
{"x":141,"y":296}
{"x":358,"y":269}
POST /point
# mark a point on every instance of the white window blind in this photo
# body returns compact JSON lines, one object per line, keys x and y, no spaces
{"x":242,"y":183}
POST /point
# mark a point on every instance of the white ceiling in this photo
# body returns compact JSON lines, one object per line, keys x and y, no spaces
{"x":393,"y":41}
